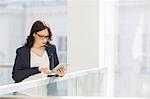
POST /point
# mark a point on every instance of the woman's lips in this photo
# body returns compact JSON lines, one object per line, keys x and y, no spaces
{"x":44,"y":43}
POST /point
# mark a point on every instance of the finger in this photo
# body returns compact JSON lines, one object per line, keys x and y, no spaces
{"x":59,"y":70}
{"x":47,"y":68}
{"x":59,"y":73}
{"x":41,"y":69}
{"x":44,"y":69}
{"x":62,"y":70}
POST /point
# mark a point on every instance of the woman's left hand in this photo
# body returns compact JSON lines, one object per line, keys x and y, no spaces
{"x":61,"y":72}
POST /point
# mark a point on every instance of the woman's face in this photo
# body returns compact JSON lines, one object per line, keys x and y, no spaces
{"x":41,"y":37}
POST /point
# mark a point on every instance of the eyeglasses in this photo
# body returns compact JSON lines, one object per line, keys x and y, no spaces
{"x":43,"y":37}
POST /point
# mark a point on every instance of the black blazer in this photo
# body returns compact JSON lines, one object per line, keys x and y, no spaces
{"x":22,"y":68}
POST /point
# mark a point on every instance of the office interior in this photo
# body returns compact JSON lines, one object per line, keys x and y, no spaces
{"x":106,"y":43}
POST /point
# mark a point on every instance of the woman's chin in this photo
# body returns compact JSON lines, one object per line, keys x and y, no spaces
{"x":42,"y":45}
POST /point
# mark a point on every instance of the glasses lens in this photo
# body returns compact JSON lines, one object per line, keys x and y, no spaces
{"x":42,"y":37}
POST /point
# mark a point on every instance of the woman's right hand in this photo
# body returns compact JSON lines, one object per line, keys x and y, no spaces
{"x":44,"y":69}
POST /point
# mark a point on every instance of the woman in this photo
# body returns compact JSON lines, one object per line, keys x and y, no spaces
{"x":37,"y":57}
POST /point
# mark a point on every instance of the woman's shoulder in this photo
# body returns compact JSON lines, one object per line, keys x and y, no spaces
{"x":22,"y":48}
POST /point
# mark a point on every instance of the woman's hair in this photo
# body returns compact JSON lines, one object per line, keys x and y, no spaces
{"x":36,"y":27}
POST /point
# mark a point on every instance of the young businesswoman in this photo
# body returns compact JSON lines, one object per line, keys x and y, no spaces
{"x":37,"y":57}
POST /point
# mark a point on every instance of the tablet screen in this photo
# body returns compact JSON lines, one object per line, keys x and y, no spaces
{"x":60,"y":66}
{"x":63,"y":65}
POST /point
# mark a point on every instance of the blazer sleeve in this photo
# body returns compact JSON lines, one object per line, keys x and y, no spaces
{"x":20,"y":71}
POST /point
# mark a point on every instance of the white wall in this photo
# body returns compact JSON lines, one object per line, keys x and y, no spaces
{"x":82,"y":34}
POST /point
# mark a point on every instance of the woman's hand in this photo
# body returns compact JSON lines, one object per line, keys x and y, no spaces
{"x":61,"y":72}
{"x":44,"y":69}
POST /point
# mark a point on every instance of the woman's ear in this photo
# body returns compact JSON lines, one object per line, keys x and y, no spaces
{"x":33,"y":34}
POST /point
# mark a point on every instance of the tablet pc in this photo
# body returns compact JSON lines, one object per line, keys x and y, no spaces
{"x":63,"y":65}
{"x":60,"y":66}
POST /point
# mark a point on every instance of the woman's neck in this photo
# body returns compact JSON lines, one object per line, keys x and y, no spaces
{"x":38,"y":50}
{"x":37,"y":46}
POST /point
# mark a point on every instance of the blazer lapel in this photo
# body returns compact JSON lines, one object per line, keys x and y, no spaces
{"x":28,"y":57}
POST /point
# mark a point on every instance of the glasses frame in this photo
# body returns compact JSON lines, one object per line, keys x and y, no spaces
{"x":43,"y":37}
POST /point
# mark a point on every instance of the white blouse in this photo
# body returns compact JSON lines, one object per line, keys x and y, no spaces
{"x":36,"y":61}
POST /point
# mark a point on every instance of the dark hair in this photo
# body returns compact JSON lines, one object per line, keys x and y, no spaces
{"x":36,"y":27}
